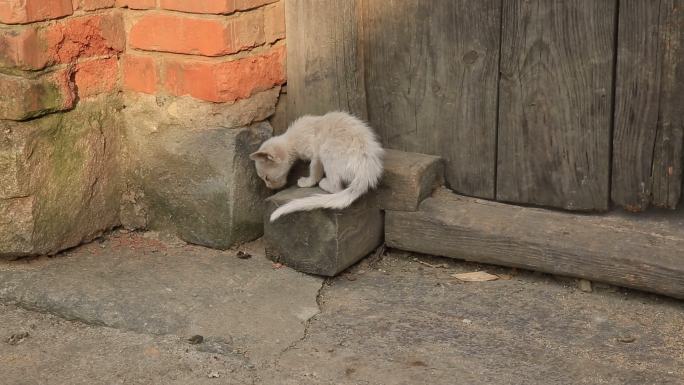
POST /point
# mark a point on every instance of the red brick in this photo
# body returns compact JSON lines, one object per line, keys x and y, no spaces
{"x":137,"y":4}
{"x":28,"y":11}
{"x":212,"y":6}
{"x":242,"y":5}
{"x":28,"y":98}
{"x":188,"y":35}
{"x":140,"y":74}
{"x":91,"y":5}
{"x":200,"y":6}
{"x":225,"y":81}
{"x":97,"y":77}
{"x":36,"y":47}
{"x":274,"y":22}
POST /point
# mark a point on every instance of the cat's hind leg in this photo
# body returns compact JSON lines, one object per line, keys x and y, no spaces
{"x":315,"y":174}
{"x":331,"y":185}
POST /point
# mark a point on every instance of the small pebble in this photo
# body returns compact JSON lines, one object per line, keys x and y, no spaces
{"x":17,"y":338}
{"x":214,"y":374}
{"x":585,"y":286}
{"x":196,"y":339}
{"x":242,"y":255}
{"x":628,"y":339}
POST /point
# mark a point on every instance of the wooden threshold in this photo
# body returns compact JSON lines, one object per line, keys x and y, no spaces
{"x":641,"y":251}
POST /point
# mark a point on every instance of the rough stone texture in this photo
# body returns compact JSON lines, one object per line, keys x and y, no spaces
{"x":323,"y":242}
{"x":26,"y":98}
{"x":393,"y":320}
{"x":408,"y":178}
{"x":62,"y":352}
{"x":157,"y":286}
{"x":60,"y":175}
{"x":187,"y":176}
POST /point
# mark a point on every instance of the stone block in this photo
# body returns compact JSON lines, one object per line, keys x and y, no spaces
{"x":62,"y":175}
{"x":407,"y":180}
{"x":25,"y":98}
{"x":198,"y":183}
{"x":323,"y":242}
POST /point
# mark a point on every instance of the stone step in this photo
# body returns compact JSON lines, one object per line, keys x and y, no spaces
{"x":636,"y":251}
{"x":322,"y":242}
{"x":408,"y":178}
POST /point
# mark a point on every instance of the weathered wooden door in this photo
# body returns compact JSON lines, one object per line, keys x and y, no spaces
{"x":562,"y":103}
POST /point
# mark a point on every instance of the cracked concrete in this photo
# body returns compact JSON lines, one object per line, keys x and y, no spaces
{"x":397,"y":319}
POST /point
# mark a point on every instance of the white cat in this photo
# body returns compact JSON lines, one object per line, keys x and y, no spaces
{"x":339,"y":146}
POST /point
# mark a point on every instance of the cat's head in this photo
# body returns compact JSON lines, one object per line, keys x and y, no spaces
{"x":272,"y":163}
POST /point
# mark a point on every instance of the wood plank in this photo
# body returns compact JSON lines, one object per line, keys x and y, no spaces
{"x":555,"y":103}
{"x":324,"y":65}
{"x":667,"y":160}
{"x":632,"y":251}
{"x":431,"y":79}
{"x":646,"y":145}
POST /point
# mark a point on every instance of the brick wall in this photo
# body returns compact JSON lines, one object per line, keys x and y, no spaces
{"x":109,"y":107}
{"x":218,"y":51}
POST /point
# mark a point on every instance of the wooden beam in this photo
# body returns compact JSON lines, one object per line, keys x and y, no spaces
{"x":634,"y":251}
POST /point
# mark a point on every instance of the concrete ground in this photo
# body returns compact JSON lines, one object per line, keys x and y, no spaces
{"x":130,"y":310}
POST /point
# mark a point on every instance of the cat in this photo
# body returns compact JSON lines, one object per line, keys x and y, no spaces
{"x":346,"y":160}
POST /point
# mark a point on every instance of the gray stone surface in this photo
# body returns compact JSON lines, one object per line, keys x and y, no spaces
{"x":59,"y":178}
{"x":148,"y":286}
{"x":322,"y":242}
{"x":408,"y":178}
{"x":399,"y":319}
{"x":402,"y":322}
{"x":59,"y":352}
{"x":199,"y":183}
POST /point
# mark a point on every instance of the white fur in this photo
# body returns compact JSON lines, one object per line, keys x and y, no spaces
{"x":339,"y":145}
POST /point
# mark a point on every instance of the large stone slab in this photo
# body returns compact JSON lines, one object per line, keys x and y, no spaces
{"x":408,"y":178}
{"x":322,"y":242}
{"x":632,"y":251}
{"x":59,"y":177}
{"x":151,"y":285}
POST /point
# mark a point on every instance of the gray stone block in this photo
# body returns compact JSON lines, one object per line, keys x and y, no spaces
{"x":198,"y":183}
{"x":322,"y":242}
{"x":407,"y":180}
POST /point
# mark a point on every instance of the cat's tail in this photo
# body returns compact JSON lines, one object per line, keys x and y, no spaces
{"x":366,"y":179}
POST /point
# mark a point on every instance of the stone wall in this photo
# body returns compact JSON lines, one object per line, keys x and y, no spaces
{"x":134,"y":112}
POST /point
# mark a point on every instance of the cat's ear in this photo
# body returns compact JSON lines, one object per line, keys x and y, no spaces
{"x":261,"y":155}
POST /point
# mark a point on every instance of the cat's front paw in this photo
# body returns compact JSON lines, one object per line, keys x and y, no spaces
{"x":305,"y":182}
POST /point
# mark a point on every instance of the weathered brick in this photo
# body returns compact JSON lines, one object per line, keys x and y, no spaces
{"x":91,"y":5}
{"x":36,"y":47}
{"x":140,"y":74}
{"x":28,"y":11}
{"x":28,"y":98}
{"x":225,"y":81}
{"x":274,"y":22}
{"x":191,"y":35}
{"x":213,"y":6}
{"x":200,"y":6}
{"x":96,"y":77}
{"x":242,"y":5}
{"x":137,"y":4}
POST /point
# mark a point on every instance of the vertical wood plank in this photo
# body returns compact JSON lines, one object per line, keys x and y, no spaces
{"x":555,"y":103}
{"x":324,"y":63}
{"x":647,"y":139}
{"x":668,"y":159}
{"x":431,"y":79}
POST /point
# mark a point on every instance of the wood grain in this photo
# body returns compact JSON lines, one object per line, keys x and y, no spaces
{"x":555,"y":103}
{"x":431,"y":75}
{"x":646,"y":138}
{"x":625,"y":251}
{"x":668,"y":158}
{"x":324,"y":63}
